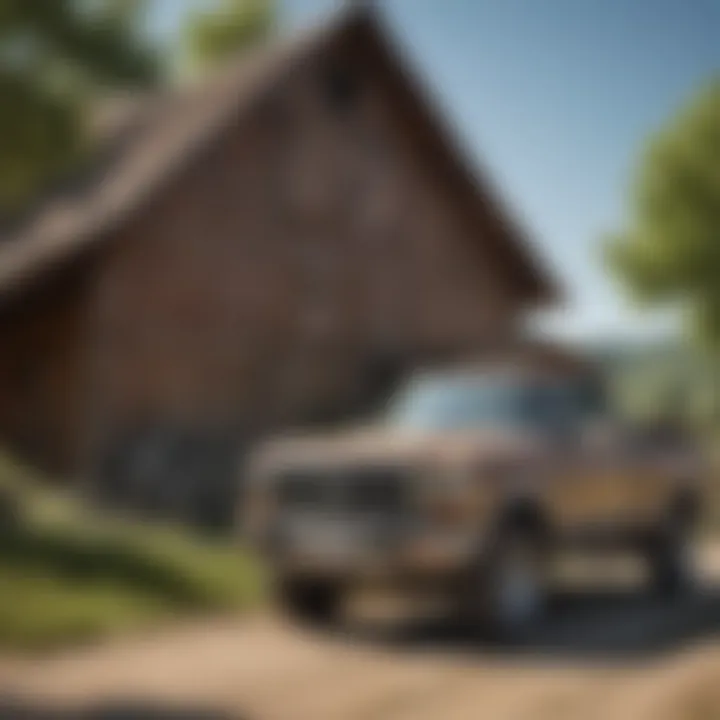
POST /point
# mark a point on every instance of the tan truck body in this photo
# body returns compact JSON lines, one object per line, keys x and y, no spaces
{"x":440,"y":496}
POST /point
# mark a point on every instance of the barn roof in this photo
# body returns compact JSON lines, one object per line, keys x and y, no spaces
{"x":144,"y":143}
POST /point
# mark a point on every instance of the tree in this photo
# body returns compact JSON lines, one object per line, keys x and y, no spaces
{"x":669,"y":252}
{"x":229,"y":26}
{"x":54,"y":57}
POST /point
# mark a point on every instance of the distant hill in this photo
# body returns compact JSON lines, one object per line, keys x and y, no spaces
{"x":650,"y":377}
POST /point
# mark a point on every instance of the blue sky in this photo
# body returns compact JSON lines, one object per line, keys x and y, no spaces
{"x":555,"y":98}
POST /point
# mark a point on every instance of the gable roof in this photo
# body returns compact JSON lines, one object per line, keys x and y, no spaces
{"x":146,"y":143}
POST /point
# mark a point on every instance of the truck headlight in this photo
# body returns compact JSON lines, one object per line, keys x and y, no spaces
{"x":257,"y":515}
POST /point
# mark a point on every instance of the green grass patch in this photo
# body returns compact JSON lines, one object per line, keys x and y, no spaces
{"x":68,"y":574}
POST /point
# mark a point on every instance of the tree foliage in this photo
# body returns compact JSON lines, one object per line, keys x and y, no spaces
{"x":670,"y":250}
{"x":54,"y":56}
{"x":229,"y":26}
{"x":57,"y":55}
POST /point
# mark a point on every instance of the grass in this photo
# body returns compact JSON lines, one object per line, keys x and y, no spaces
{"x":68,"y":574}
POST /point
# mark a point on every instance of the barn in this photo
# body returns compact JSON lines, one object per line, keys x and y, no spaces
{"x":270,"y":247}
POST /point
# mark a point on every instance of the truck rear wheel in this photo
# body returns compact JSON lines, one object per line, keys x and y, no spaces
{"x":309,"y":601}
{"x":670,"y":557}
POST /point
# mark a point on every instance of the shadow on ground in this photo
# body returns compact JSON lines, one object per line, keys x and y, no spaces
{"x":17,"y":709}
{"x":593,"y":625}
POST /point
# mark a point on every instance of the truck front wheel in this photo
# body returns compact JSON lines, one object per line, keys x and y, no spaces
{"x":309,"y":601}
{"x":506,"y":592}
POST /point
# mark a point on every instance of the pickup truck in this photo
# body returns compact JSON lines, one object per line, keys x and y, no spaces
{"x":472,"y":480}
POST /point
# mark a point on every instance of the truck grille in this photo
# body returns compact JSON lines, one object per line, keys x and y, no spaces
{"x":351,"y":490}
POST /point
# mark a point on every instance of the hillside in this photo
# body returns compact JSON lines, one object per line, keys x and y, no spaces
{"x":68,"y":574}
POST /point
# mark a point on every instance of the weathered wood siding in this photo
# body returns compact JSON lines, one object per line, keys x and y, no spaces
{"x":314,"y":237}
{"x":42,"y":356}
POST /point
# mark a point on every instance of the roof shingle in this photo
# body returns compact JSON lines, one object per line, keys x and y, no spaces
{"x":145,"y":143}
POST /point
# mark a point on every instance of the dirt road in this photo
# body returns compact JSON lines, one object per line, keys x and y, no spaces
{"x":601,"y":655}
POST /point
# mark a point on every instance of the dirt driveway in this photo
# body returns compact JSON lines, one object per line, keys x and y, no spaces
{"x":602,"y":655}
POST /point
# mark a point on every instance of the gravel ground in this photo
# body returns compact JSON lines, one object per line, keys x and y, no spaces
{"x":602,"y":654}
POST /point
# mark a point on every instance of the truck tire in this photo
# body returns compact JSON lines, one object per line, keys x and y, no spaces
{"x":670,"y":558}
{"x":309,"y":601}
{"x":506,"y":593}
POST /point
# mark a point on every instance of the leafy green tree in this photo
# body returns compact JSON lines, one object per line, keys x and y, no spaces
{"x":55,"y":55}
{"x":212,"y":36}
{"x":669,"y":252}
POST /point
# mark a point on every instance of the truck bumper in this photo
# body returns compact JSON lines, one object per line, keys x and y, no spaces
{"x":415,"y":556}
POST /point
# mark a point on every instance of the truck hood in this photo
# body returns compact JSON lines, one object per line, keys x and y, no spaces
{"x":387,"y":445}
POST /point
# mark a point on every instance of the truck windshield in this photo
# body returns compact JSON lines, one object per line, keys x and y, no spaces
{"x":439,"y":402}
